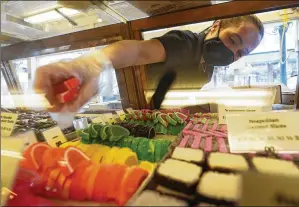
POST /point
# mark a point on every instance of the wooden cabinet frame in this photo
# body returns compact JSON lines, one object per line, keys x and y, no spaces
{"x":132,"y":80}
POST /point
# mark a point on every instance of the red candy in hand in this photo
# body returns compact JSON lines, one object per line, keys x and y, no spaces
{"x":67,"y":91}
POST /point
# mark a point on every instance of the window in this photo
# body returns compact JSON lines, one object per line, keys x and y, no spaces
{"x":263,"y":65}
{"x":21,"y":68}
{"x":108,"y":87}
{"x":26,"y":68}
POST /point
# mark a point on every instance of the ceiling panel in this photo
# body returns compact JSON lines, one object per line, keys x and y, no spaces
{"x":26,"y":8}
{"x":128,"y":11}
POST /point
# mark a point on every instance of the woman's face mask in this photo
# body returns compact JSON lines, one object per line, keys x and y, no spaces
{"x":216,"y":53}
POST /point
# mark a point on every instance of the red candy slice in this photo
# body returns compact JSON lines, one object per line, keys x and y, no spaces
{"x":67,"y":85}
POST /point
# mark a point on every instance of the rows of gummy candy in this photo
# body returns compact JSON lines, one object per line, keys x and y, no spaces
{"x":204,"y":132}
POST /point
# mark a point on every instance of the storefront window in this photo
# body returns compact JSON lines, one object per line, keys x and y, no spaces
{"x":6,"y":100}
{"x":22,"y":71}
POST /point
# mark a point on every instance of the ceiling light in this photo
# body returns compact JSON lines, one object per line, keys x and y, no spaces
{"x":50,"y":16}
{"x":99,"y":20}
{"x":69,"y":12}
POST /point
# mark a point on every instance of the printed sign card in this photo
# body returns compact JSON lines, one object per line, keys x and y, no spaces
{"x":121,"y":115}
{"x":109,"y":117}
{"x":8,"y":121}
{"x":54,"y":137}
{"x":98,"y":120}
{"x":251,"y":132}
{"x":130,"y":110}
{"x":223,"y":110}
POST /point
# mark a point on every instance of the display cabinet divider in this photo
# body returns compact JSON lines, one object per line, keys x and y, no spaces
{"x":67,"y":42}
{"x":132,"y":80}
{"x":208,"y":13}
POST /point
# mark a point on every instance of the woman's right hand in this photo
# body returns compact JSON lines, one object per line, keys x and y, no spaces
{"x":86,"y":68}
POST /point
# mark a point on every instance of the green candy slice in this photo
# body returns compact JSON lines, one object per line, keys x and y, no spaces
{"x":158,"y":150}
{"x":170,"y":119}
{"x":155,"y":115}
{"x":148,"y":115}
{"x":164,"y":148}
{"x":134,"y":144}
{"x":158,"y":128}
{"x":142,"y":149}
{"x":151,"y":151}
{"x":162,"y":119}
{"x":104,"y":132}
{"x":127,"y":141}
{"x":95,"y":130}
{"x":85,"y":134}
{"x":116,"y":132}
{"x":180,"y":117}
{"x":177,"y":129}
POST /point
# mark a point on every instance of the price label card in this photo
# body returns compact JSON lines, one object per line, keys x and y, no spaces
{"x":8,"y":121}
{"x":98,"y":120}
{"x":121,"y":115}
{"x":109,"y":117}
{"x":130,"y":110}
{"x":269,"y":190}
{"x":54,"y":136}
{"x":223,"y":110}
{"x":251,"y":132}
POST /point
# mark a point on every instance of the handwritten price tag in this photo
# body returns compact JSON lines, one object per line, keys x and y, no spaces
{"x":8,"y":121}
{"x":54,"y":136}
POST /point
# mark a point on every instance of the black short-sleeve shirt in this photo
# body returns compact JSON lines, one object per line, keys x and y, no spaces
{"x":183,"y":54}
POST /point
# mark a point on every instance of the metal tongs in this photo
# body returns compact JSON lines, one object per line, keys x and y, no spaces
{"x":164,"y":85}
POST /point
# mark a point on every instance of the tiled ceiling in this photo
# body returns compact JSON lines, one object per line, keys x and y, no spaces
{"x":14,"y":12}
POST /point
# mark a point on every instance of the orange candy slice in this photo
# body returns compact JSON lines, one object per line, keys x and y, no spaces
{"x":101,"y":181}
{"x":77,"y":188}
{"x":66,"y":189}
{"x":34,"y":153}
{"x":116,"y":176}
{"x":90,"y":174}
{"x":73,"y":157}
{"x":131,"y":182}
